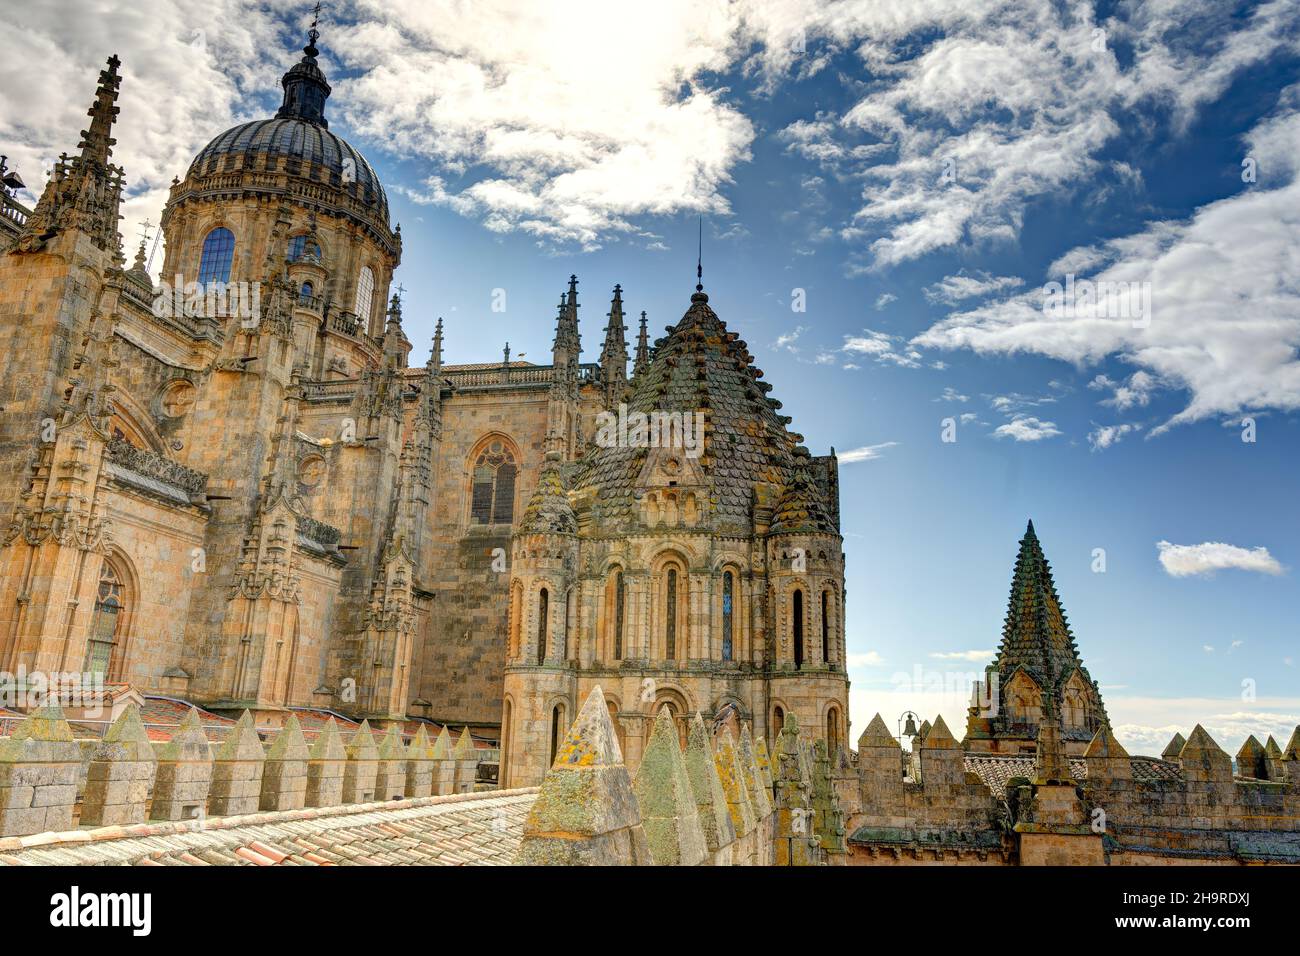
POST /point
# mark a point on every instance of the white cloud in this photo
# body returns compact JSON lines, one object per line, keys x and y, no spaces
{"x":976,"y":108}
{"x":884,"y":299}
{"x":865,"y":453}
{"x":1145,"y":725}
{"x":955,"y":288}
{"x":1225,"y":323}
{"x":977,"y":657}
{"x":864,"y":659}
{"x":1186,"y":560}
{"x":884,"y":348}
{"x":1103,"y":436}
{"x":559,"y":130}
{"x":1027,"y":428}
{"x":951,"y":394}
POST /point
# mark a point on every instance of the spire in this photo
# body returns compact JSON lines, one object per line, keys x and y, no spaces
{"x":305,"y":88}
{"x":84,"y":191}
{"x":613,"y":355}
{"x":642,"y":349}
{"x":699,"y":260}
{"x":1036,"y":633}
{"x":435,"y":354}
{"x":567,"y":343}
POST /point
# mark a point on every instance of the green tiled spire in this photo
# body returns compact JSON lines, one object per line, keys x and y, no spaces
{"x":1036,"y":634}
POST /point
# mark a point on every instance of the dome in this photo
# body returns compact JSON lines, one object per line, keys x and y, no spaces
{"x":267,"y":143}
{"x":299,"y":133}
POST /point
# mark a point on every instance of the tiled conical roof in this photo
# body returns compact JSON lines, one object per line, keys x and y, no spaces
{"x":701,"y":366}
{"x":800,"y":507}
{"x":1036,"y":635}
{"x":549,"y":511}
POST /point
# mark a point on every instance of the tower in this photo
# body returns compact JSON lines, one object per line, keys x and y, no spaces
{"x":1037,"y":675}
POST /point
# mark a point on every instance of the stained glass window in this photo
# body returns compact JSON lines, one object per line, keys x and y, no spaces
{"x":618,"y":616}
{"x":365,"y":294}
{"x":103,"y":628}
{"x":727,"y":596}
{"x":492,"y":497}
{"x":670,"y":623}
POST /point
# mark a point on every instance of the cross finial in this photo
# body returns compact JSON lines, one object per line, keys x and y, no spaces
{"x":400,"y":289}
{"x":313,"y":34}
{"x":144,"y":231}
{"x":699,"y":261}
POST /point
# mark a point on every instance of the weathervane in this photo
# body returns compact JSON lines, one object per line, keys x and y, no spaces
{"x":699,"y":260}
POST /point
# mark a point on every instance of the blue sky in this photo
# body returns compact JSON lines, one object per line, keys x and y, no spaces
{"x":914,"y":176}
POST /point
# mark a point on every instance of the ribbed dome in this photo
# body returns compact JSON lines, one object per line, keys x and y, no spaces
{"x":297,"y":139}
{"x":298,"y":133}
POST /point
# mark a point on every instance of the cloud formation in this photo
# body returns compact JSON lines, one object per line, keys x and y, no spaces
{"x":1202,"y":560}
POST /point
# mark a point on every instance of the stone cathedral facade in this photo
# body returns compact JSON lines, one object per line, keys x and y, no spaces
{"x":251,"y":500}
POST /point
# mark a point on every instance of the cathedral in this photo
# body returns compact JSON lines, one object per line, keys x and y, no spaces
{"x":233,"y":489}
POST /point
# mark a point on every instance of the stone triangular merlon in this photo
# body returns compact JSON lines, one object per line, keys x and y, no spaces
{"x":1271,"y":750}
{"x":587,"y":792}
{"x":43,"y":737}
{"x":1174,"y":747}
{"x":289,"y":743}
{"x":242,"y":743}
{"x":127,"y":739}
{"x":739,"y":803}
{"x":442,"y":746}
{"x":420,"y":748}
{"x":391,"y":747}
{"x":44,"y":723}
{"x":764,"y":761}
{"x":749,"y":767}
{"x":465,"y":749}
{"x":1105,"y":746}
{"x":877,"y":735}
{"x":710,"y":798}
{"x":939,"y":737}
{"x":1292,"y":750}
{"x":668,"y":812}
{"x":1200,"y":741}
{"x":362,"y":746}
{"x":188,"y":743}
{"x":328,"y":744}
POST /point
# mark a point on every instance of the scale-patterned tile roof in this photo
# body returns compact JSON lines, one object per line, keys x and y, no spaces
{"x":995,"y":770}
{"x":468,"y":829}
{"x":700,"y":366}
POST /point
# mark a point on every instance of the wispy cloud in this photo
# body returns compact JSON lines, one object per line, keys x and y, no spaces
{"x":1027,"y":428}
{"x":1188,"y":560}
{"x":1103,"y":436}
{"x":865,"y":453}
{"x":956,"y":288}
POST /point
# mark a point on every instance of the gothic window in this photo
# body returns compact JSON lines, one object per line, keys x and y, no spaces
{"x":110,"y":608}
{"x":620,"y":597}
{"x":797,"y":627}
{"x":492,"y":498}
{"x":300,"y":247}
{"x":728,"y":596}
{"x":365,"y":293}
{"x":218,"y":254}
{"x":543,"y":608}
{"x":670,"y":619}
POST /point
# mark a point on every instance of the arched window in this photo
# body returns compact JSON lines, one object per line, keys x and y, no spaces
{"x":218,"y":254}
{"x":365,"y":293}
{"x":305,"y":292}
{"x":557,"y":728}
{"x":826,"y":626}
{"x":492,"y":499}
{"x":670,"y":616}
{"x":833,"y":730}
{"x":728,"y":597}
{"x":516,"y":617}
{"x":503,"y":771}
{"x":620,"y":598}
{"x":300,"y":247}
{"x":797,"y":627}
{"x":778,"y":721}
{"x":543,"y":609}
{"x":110,"y":612}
